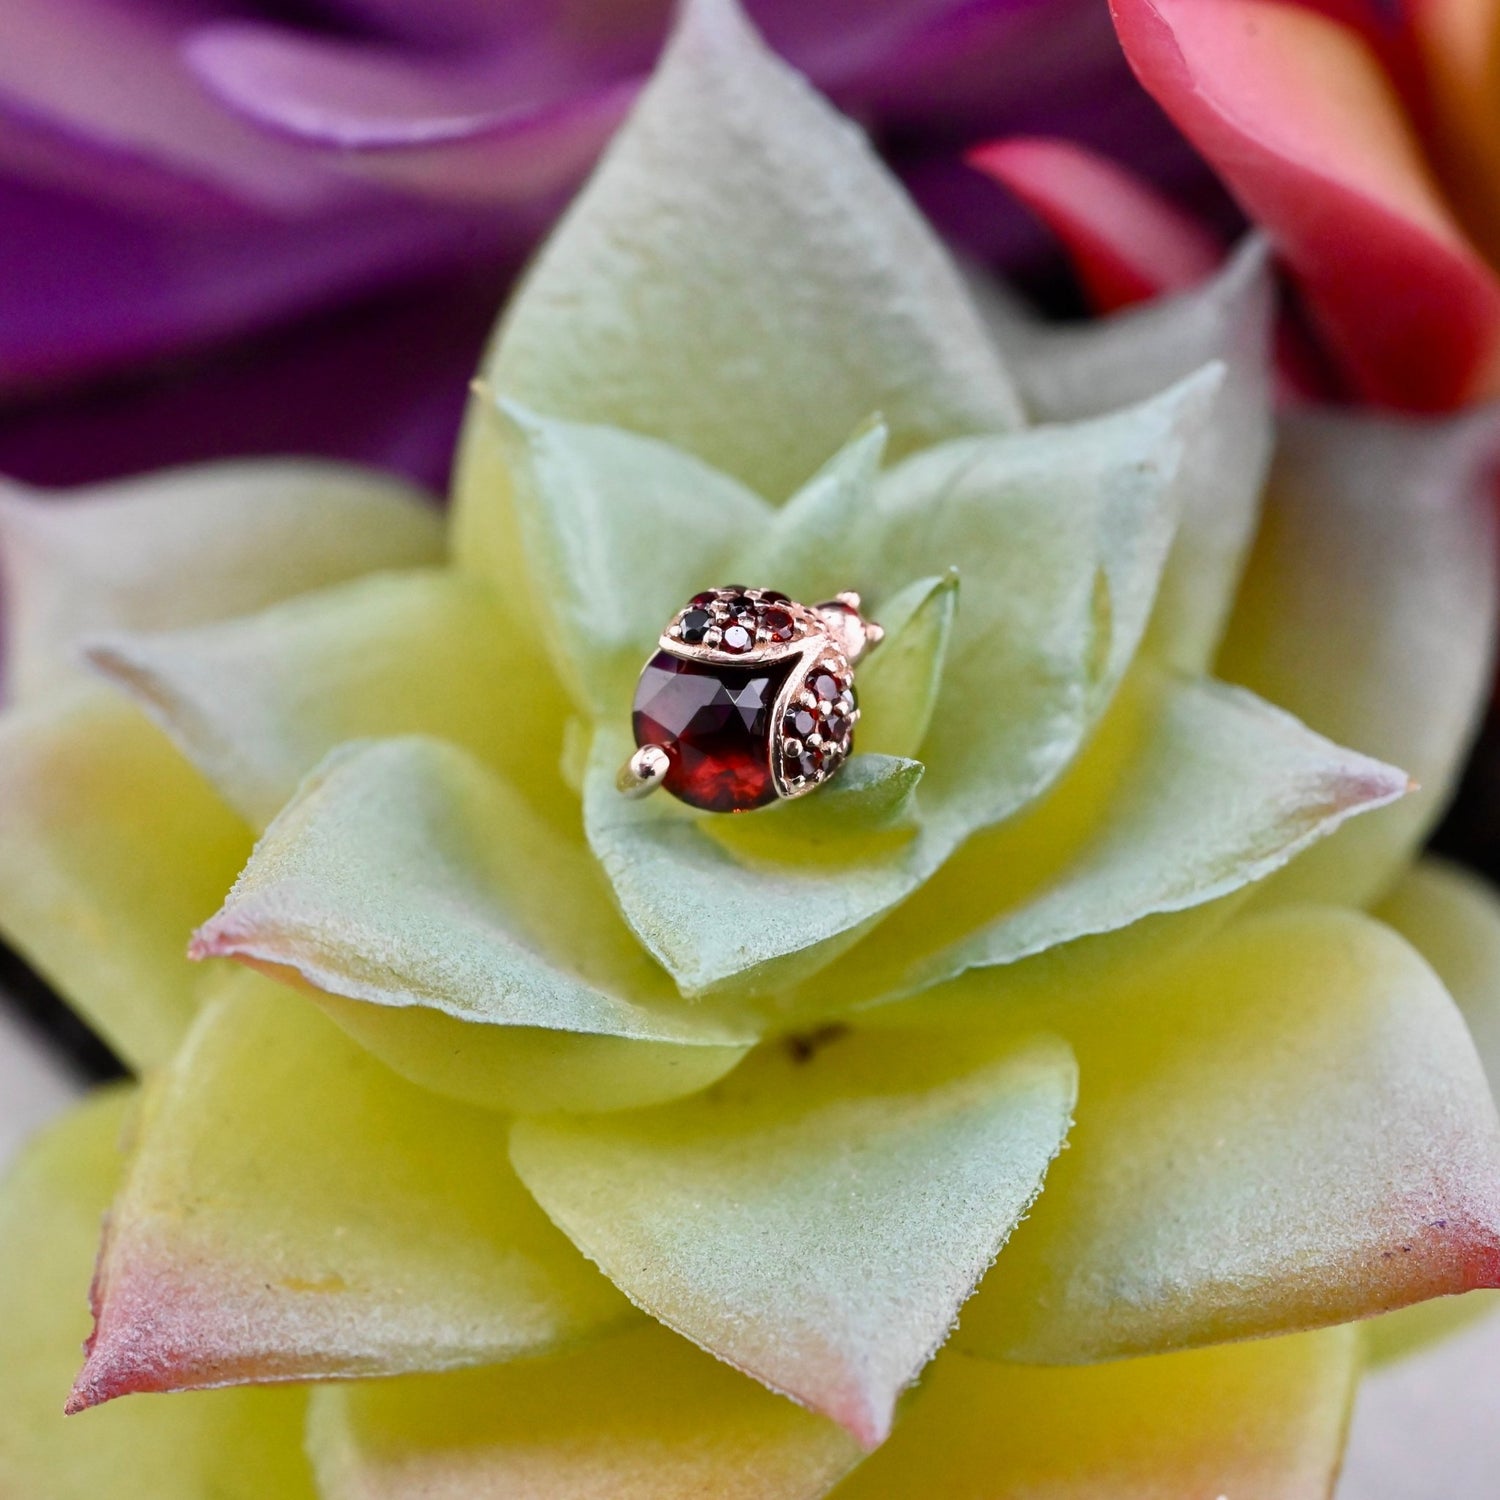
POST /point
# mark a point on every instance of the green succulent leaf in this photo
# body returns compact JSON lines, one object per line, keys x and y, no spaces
{"x":250,"y":1244}
{"x":1452,"y":918}
{"x":642,"y":1417}
{"x":188,"y":546}
{"x":256,"y":702}
{"x":406,"y":874}
{"x":1060,"y":535}
{"x":873,"y":794}
{"x":743,"y":278}
{"x":1369,"y":611}
{"x":620,"y":530}
{"x":818,"y":1218}
{"x":787,"y":551}
{"x":234,"y":1445}
{"x":111,"y":848}
{"x":726,"y":910}
{"x":1218,"y":789}
{"x":1266,"y":1418}
{"x":1085,"y":369}
{"x":900,"y":683}
{"x":1288,"y":1129}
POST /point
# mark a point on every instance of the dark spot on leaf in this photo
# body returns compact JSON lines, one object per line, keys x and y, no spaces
{"x":804,"y":1046}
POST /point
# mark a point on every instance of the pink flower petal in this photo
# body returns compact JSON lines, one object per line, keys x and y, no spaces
{"x":1458,"y":44}
{"x":1127,"y":242}
{"x":1298,"y":116}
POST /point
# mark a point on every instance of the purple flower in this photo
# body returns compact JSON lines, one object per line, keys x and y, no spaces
{"x":280,"y":224}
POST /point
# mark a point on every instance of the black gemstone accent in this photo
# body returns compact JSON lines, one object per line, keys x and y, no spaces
{"x":695,"y":625}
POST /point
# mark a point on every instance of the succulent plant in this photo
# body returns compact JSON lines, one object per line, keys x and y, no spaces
{"x":459,"y":1069}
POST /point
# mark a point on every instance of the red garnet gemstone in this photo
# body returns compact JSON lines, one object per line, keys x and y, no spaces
{"x":714,"y":722}
{"x":779,"y":624}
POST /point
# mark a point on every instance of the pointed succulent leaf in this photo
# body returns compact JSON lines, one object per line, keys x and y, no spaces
{"x":112,"y":848}
{"x":820,"y":1216}
{"x":192,"y":545}
{"x":786,"y":553}
{"x":527,"y":1069}
{"x":899,"y":685}
{"x":1222,"y":1182}
{"x":1452,"y":918}
{"x":238,"y":1445}
{"x":1265,"y":1418}
{"x":872,"y":794}
{"x":1221,"y":789}
{"x":794,"y":261}
{"x":741,"y":278}
{"x":1060,"y":535}
{"x":870,"y":809}
{"x":620,"y":531}
{"x":677,"y":878}
{"x":1368,"y":610}
{"x":641,"y":1417}
{"x":255,"y":703}
{"x":406,"y":874}
{"x":293,"y":1210}
{"x":1081,"y":370}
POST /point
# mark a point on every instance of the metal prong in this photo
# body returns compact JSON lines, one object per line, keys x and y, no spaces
{"x":848,"y":627}
{"x":644,"y":771}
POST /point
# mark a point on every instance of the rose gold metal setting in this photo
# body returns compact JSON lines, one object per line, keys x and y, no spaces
{"x":643,"y":772}
{"x":828,"y":640}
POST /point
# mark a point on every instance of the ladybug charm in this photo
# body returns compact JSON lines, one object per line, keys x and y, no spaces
{"x":748,"y":699}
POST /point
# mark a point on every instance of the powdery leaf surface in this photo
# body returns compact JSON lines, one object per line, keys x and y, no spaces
{"x":234,"y":1445}
{"x":818,"y":1217}
{"x":410,"y":879}
{"x":293,"y":1210}
{"x":256,"y":702}
{"x":1263,"y":1419}
{"x":112,"y":848}
{"x":641,"y":1417}
{"x":1369,"y":611}
{"x":191,"y":545}
{"x":1225,"y":1179}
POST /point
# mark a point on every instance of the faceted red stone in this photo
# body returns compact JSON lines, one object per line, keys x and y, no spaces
{"x":779,"y":624}
{"x":800,"y":723}
{"x":737,"y":639}
{"x":714,"y":722}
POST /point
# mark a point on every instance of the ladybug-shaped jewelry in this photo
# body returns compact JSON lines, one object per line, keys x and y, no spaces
{"x":749,"y":698}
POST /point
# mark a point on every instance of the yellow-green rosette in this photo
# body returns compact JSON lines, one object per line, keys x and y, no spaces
{"x":646,"y":1154}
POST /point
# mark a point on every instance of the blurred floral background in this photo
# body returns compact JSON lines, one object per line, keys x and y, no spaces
{"x":284,"y":228}
{"x":233,"y":228}
{"x":230,"y":228}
